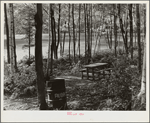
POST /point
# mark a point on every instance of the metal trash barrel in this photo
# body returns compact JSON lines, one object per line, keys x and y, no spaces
{"x":56,"y":93}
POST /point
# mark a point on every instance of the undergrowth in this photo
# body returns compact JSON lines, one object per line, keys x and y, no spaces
{"x":121,"y":88}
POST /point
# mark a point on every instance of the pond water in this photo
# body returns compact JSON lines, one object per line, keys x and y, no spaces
{"x":21,"y":52}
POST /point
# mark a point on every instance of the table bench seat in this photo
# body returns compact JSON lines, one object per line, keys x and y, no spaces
{"x":83,"y":70}
{"x":97,"y":73}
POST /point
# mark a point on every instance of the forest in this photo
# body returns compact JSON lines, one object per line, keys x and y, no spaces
{"x":66,"y":43}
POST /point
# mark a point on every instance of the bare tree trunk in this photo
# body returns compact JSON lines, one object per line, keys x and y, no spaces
{"x":58,"y":28}
{"x":49,"y":46}
{"x":89,"y":35}
{"x":131,"y":30}
{"x":79,"y":27}
{"x":73,"y":31}
{"x":135,"y":37}
{"x":63,"y":50}
{"x":55,"y":45}
{"x":142,"y":94}
{"x":124,"y":33}
{"x":85,"y":30}
{"x":53,"y":37}
{"x":138,"y":37}
{"x":144,"y":22}
{"x":91,"y":30}
{"x":38,"y":58}
{"x":7,"y":34}
{"x":69,"y":31}
{"x":115,"y":30}
{"x":14,"y":41}
{"x":29,"y":33}
{"x":111,"y":32}
{"x":11,"y":39}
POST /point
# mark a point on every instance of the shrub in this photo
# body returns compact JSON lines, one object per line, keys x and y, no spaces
{"x":123,"y":80}
{"x":25,"y":60}
{"x":21,"y":82}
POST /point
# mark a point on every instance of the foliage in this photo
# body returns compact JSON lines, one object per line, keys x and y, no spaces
{"x":22,"y":83}
{"x":25,"y":60}
{"x":98,"y":11}
{"x":115,"y":93}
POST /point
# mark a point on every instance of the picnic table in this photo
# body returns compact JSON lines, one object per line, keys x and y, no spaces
{"x":95,"y":68}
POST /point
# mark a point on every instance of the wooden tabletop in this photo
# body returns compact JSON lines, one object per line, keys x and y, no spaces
{"x":95,"y":65}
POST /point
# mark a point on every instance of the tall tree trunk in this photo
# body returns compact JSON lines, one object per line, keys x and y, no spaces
{"x":124,"y":33}
{"x":138,"y":37}
{"x":14,"y":41}
{"x":73,"y":32}
{"x":11,"y":39}
{"x":63,"y":50}
{"x":135,"y":37}
{"x":131,"y":30}
{"x":29,"y":33}
{"x":49,"y":46}
{"x":38,"y":58}
{"x":115,"y":29}
{"x":53,"y":38}
{"x":58,"y":28}
{"x":79,"y":27}
{"x":111,"y":32}
{"x":55,"y":45}
{"x":85,"y":30}
{"x":91,"y":30}
{"x":142,"y":94}
{"x":69,"y":31}
{"x":88,"y":27}
{"x":7,"y":34}
{"x":144,"y":22}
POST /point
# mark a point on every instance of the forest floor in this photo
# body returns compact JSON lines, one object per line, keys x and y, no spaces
{"x":73,"y":83}
{"x":81,"y":94}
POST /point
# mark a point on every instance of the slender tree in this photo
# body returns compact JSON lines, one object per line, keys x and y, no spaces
{"x":29,"y":32}
{"x":74,"y":45}
{"x":85,"y":30}
{"x":144,"y":21}
{"x":91,"y":29}
{"x":131,"y":30}
{"x":49,"y":44}
{"x":38,"y":58}
{"x":54,"y":31}
{"x":59,"y":29}
{"x":123,"y":32}
{"x":89,"y":33}
{"x":142,"y":94}
{"x":69,"y":30}
{"x":111,"y":30}
{"x":53,"y":38}
{"x":7,"y":34}
{"x":11,"y":38}
{"x":64,"y":39}
{"x":14,"y":40}
{"x":138,"y":37}
{"x":79,"y":27}
{"x":115,"y":29}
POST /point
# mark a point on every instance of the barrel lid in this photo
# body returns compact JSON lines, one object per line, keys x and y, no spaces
{"x":55,"y":100}
{"x":56,"y":79}
{"x":56,"y":90}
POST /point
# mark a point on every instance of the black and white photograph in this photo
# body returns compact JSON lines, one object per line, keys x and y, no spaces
{"x":76,"y":57}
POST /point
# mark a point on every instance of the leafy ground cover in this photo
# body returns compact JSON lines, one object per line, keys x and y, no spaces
{"x":81,"y":95}
{"x":117,"y":92}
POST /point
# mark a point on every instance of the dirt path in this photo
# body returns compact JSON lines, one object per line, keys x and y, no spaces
{"x":74,"y":99}
{"x":20,"y":104}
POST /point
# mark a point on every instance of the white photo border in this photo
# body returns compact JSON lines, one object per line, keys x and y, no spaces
{"x":61,"y":116}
